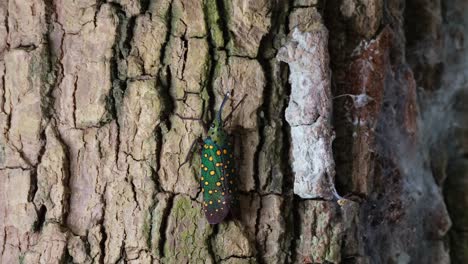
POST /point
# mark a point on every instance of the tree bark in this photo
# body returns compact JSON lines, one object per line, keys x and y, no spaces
{"x":351,"y":142}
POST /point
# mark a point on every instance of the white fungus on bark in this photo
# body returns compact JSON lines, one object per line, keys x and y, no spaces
{"x":309,"y":112}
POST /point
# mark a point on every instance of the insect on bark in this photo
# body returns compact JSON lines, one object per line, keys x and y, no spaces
{"x":217,"y":172}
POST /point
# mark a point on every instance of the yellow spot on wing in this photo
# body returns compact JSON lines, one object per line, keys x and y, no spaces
{"x":211,"y":146}
{"x":210,"y":158}
{"x":218,"y":152}
{"x":210,"y":191}
{"x":201,"y":179}
{"x":211,"y":202}
{"x":225,"y":151}
{"x":206,"y":183}
{"x":205,"y":168}
{"x":218,"y":184}
{"x":206,"y":155}
{"x":212,"y":173}
{"x":206,"y":146}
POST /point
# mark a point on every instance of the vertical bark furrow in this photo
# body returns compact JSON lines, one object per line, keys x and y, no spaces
{"x":26,"y":84}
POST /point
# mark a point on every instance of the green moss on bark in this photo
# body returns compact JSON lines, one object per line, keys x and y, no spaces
{"x":188,"y":233}
{"x":213,"y":20}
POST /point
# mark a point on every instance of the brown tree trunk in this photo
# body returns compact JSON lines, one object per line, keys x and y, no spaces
{"x":360,"y":99}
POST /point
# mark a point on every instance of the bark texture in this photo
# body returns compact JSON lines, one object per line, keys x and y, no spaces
{"x":352,"y":141}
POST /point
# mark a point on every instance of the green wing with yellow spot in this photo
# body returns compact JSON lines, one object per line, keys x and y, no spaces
{"x":230,"y":173}
{"x":217,"y":195}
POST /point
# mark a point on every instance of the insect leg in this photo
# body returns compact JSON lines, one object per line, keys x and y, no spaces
{"x":234,"y":109}
{"x":191,"y":151}
{"x":205,"y":126}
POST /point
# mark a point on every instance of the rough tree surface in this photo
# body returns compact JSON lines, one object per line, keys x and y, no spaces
{"x":364,"y":99}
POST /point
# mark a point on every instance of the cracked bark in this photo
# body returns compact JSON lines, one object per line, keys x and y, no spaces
{"x":91,"y":98}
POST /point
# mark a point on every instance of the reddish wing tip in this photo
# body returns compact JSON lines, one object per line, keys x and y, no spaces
{"x":214,"y":217}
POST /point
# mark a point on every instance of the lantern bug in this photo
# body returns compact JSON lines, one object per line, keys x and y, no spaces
{"x":217,"y":172}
